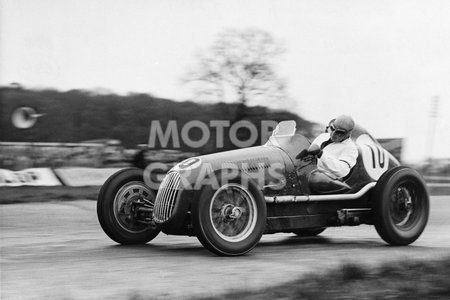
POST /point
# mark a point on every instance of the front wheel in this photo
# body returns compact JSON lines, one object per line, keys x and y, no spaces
{"x":230,"y":220}
{"x":125,"y":208}
{"x":400,"y":206}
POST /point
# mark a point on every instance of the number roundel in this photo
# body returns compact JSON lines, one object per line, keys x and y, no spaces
{"x":374,"y":157}
{"x":190,"y":163}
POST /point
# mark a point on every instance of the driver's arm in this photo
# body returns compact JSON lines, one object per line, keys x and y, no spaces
{"x":314,"y":149}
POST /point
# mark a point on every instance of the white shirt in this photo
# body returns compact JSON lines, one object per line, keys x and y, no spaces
{"x":337,"y":159}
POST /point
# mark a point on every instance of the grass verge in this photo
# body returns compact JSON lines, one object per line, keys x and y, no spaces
{"x":401,"y":280}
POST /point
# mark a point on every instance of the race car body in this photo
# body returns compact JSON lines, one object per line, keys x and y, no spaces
{"x":229,"y":199}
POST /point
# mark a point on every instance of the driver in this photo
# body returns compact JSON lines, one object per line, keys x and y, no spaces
{"x":335,"y":151}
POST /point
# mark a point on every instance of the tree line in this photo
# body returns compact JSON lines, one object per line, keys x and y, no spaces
{"x":80,"y":115}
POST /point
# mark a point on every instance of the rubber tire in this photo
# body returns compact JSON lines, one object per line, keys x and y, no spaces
{"x":383,"y":222}
{"x":309,"y":231}
{"x":204,"y":228}
{"x":105,"y":207}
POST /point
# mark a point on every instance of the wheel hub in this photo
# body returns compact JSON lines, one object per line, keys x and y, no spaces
{"x":134,"y":211}
{"x":132,"y":208}
{"x":231,"y":212}
{"x":404,"y":206}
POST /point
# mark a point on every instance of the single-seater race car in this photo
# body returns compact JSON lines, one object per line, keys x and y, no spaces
{"x":228,"y":200}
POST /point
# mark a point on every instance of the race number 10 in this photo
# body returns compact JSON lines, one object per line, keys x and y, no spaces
{"x":375,"y":158}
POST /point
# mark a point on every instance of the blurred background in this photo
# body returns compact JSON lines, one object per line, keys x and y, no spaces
{"x":97,"y":73}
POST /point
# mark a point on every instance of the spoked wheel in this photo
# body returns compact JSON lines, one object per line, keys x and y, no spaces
{"x":233,"y":212}
{"x":230,"y":220}
{"x":400,"y":206}
{"x":125,"y":208}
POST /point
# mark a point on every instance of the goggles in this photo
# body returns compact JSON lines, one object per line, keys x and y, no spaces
{"x":337,"y":130}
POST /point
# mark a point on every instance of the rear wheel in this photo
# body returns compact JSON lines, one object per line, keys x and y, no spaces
{"x":125,"y":208}
{"x":230,"y":220}
{"x":400,"y":206}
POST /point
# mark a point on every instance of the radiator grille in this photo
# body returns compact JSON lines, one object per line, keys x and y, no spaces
{"x":166,"y":197}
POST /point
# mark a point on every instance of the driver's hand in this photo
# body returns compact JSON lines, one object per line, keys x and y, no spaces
{"x":302,"y":154}
{"x":308,"y":158}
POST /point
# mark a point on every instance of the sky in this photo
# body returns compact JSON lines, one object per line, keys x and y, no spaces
{"x":383,"y":62}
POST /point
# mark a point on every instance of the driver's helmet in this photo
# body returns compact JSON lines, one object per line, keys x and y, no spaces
{"x":344,"y":122}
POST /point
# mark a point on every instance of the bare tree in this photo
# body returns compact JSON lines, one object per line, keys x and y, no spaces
{"x":239,"y":67}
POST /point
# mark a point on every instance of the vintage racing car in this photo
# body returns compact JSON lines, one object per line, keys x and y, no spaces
{"x":230,"y":199}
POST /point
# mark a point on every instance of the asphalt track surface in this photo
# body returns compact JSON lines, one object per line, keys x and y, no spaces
{"x":58,"y":251}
